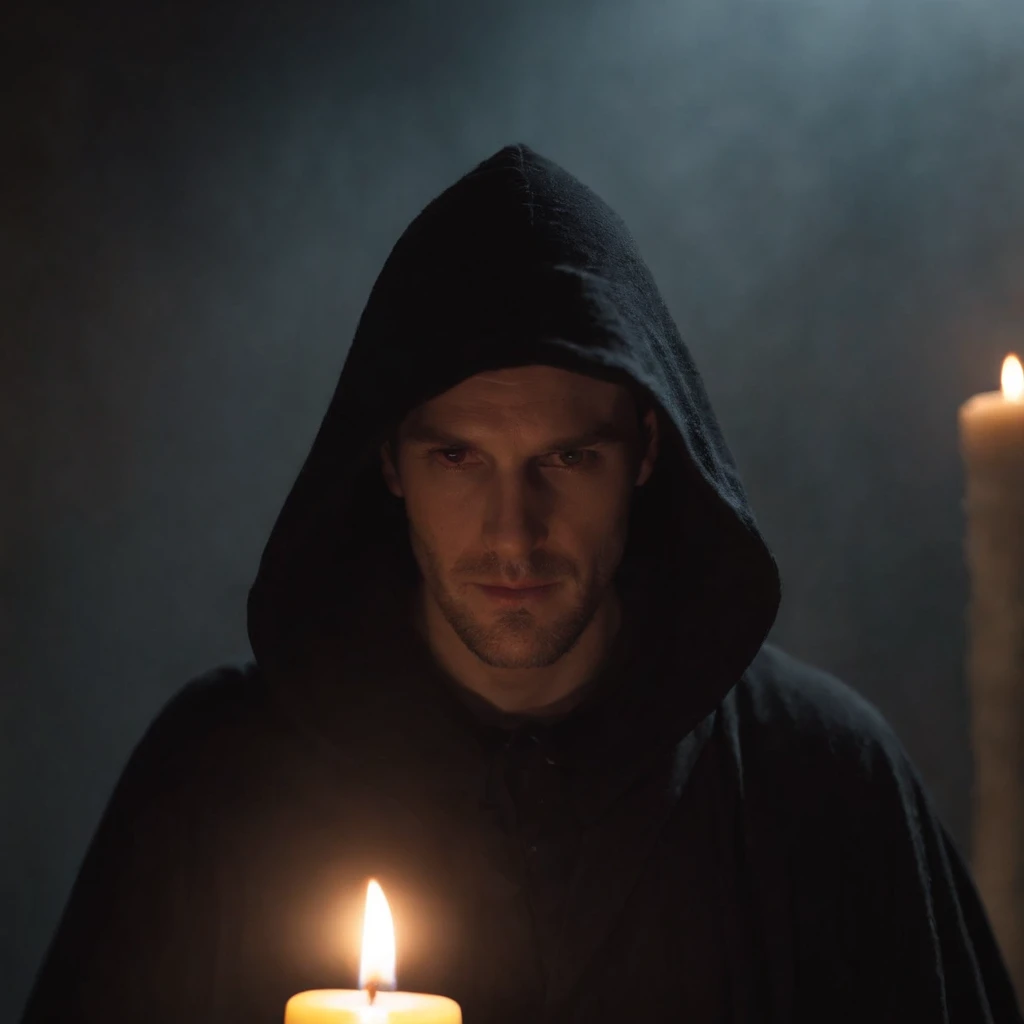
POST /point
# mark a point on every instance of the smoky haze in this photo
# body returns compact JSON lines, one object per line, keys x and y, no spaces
{"x":198,"y":198}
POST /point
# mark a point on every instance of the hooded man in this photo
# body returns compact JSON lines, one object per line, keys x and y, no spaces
{"x":509,"y":636}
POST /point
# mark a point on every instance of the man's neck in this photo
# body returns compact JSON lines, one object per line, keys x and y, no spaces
{"x":545,"y":692}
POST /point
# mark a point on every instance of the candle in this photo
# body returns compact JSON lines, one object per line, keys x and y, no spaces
{"x":992,"y":444}
{"x":368,"y":1004}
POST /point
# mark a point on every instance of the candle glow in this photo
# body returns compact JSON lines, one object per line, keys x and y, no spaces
{"x":374,"y":1002}
{"x":1012,"y":379}
{"x":377,"y":962}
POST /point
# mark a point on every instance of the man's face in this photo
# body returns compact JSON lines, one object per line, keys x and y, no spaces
{"x":515,"y":477}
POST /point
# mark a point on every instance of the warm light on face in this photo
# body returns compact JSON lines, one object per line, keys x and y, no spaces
{"x":377,"y":964}
{"x":1013,"y":379}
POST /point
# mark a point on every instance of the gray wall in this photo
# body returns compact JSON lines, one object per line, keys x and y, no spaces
{"x":831,"y":196}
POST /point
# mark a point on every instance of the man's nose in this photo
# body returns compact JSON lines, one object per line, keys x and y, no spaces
{"x":516,"y":519}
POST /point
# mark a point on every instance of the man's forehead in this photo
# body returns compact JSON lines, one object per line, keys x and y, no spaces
{"x":561,"y":426}
{"x":532,"y":385}
{"x":520,"y":406}
{"x":550,"y":397}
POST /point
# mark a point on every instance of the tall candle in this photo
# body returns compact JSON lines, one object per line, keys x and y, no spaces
{"x":367,"y":1004}
{"x":992,"y":444}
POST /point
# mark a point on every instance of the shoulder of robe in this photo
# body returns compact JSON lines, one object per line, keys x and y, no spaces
{"x":210,"y":717}
{"x":802,"y":719}
{"x":214,"y":699}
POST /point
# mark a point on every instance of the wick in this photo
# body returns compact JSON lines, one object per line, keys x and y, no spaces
{"x":371,"y":990}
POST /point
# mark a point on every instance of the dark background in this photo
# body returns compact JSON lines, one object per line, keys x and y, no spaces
{"x":197,"y":198}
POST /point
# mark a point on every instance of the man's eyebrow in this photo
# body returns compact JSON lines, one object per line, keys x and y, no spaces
{"x":600,"y":433}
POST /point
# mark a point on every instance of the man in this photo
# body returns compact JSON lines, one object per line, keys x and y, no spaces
{"x":509,"y":660}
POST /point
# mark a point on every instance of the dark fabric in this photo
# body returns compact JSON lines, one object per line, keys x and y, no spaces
{"x":529,"y":787}
{"x":717,"y":833}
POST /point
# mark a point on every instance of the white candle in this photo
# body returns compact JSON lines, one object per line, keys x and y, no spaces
{"x":367,"y":1005}
{"x":992,"y":443}
{"x":349,"y":1006}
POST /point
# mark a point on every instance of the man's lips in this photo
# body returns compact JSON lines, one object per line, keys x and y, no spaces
{"x":528,"y":585}
{"x":517,"y":592}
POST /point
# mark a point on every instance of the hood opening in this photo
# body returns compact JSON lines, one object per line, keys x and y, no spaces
{"x":518,"y":263}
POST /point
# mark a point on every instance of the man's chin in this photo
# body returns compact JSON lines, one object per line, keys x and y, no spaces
{"x":503,"y":657}
{"x":512,"y":645}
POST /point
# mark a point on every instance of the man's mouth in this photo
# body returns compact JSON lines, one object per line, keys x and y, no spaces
{"x":518,"y":592}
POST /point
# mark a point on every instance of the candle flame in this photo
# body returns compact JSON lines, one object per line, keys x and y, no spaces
{"x":1013,"y":379}
{"x":377,"y":963}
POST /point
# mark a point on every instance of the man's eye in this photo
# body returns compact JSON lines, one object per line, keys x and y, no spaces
{"x":449,"y":455}
{"x":575,"y":456}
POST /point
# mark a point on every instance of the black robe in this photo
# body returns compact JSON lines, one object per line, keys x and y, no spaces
{"x":717,"y":833}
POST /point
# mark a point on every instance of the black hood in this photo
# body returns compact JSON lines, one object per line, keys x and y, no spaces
{"x":518,"y":263}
